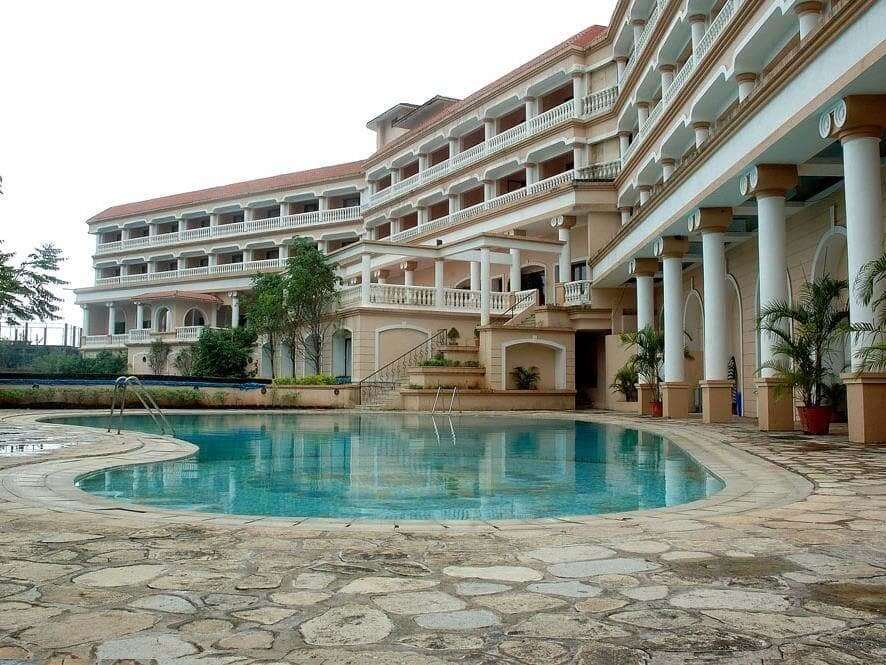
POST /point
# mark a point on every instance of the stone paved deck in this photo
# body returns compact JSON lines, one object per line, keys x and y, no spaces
{"x":787,"y":565}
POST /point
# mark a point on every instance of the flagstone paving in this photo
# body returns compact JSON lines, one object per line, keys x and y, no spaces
{"x":787,"y":566}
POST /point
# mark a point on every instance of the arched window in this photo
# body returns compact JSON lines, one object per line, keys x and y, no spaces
{"x":194,"y":317}
{"x":162,"y":320}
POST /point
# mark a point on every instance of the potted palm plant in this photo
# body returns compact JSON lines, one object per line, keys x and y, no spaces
{"x":871,"y":355}
{"x":647,"y":360}
{"x":805,"y":335}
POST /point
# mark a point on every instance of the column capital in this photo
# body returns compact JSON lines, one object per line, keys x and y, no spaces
{"x":697,"y":18}
{"x":768,"y":180}
{"x":621,"y":58}
{"x":563,"y":222}
{"x":644,"y":104}
{"x":625,"y":133}
{"x":746,"y":77}
{"x":667,"y":68}
{"x":853,"y":116}
{"x":233,"y":294}
{"x":109,"y":305}
{"x":644,"y":188}
{"x":668,"y":161}
{"x":639,"y":22}
{"x":813,"y":6}
{"x":701,"y":124}
{"x":408,"y":265}
{"x":627,"y":209}
{"x":668,"y":247}
{"x":517,"y":233}
{"x":643,"y":267}
{"x":381,"y":274}
{"x":710,"y":220}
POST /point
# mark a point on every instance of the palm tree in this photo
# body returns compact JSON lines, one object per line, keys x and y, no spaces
{"x":817,"y":323}
{"x":871,"y":278}
{"x":648,"y":356}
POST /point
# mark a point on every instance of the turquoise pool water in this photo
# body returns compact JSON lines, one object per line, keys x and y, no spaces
{"x":406,"y":466}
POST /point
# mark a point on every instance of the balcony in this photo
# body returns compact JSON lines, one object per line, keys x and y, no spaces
{"x":425,"y":297}
{"x":605,"y":171}
{"x":577,"y":292}
{"x":103,"y":342}
{"x":224,"y":270}
{"x":593,"y":104}
{"x":641,"y":42}
{"x":140,"y":337}
{"x":283,"y":223}
{"x":710,"y":38}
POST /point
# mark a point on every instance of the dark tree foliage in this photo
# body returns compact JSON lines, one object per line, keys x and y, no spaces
{"x":225,"y":352}
{"x":27,"y":289}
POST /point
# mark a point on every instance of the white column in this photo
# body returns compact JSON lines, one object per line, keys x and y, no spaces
{"x":139,"y":316}
{"x":809,"y":15}
{"x":772,"y":250}
{"x":424,"y":161}
{"x":698,"y":23}
{"x":621,"y":64}
{"x":213,"y":316}
{"x":673,"y":319}
{"x":248,"y":214}
{"x":395,"y":176}
{"x":579,"y":90}
{"x":667,"y":169}
{"x":645,"y":302}
{"x":516,"y":275}
{"x":642,"y":113}
{"x":284,"y":251}
{"x":365,"y":278}
{"x":625,"y":214}
{"x":579,"y":156}
{"x":454,"y":203}
{"x":488,"y":128}
{"x":235,"y":309}
{"x":422,"y":215}
{"x":624,"y":142}
{"x":285,"y":209}
{"x":85,"y":328}
{"x":746,"y":83}
{"x":247,"y":255}
{"x":488,"y":190}
{"x":395,"y":225}
{"x":645,"y":193}
{"x":638,"y":25}
{"x":454,"y":146}
{"x":322,"y":203}
{"x":531,"y":174}
{"x":715,"y":334}
{"x":214,"y":219}
{"x":702,"y":132}
{"x":531,"y":106}
{"x":565,"y":258}
{"x":484,"y":286}
{"x":667,"y":77}
{"x":112,"y":318}
{"x":864,"y":220}
{"x":182,"y":225}
{"x":323,"y":246}
{"x":409,"y":277}
{"x":475,"y":275}
{"x":438,"y":282}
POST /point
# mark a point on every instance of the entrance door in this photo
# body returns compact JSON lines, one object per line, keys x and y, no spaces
{"x":590,"y":369}
{"x":534,"y":280}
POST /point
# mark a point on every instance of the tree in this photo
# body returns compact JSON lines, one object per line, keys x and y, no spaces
{"x":27,"y":289}
{"x":818,"y":321}
{"x":225,"y":352}
{"x":869,"y":286}
{"x":312,"y":292}
{"x":158,"y":355}
{"x":266,"y":310}
{"x":184,"y":362}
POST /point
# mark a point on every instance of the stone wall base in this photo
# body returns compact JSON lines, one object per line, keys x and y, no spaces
{"x":866,"y":399}
{"x":644,"y":399}
{"x":716,"y":401}
{"x":675,"y":400}
{"x":774,"y":413}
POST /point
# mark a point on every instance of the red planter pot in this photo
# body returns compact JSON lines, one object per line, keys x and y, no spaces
{"x":655,"y":409}
{"x":815,"y":419}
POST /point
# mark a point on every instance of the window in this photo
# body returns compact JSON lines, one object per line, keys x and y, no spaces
{"x":579,"y":271}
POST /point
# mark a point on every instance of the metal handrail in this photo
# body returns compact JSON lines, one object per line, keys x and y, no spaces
{"x":148,"y":402}
{"x":452,"y":401}
{"x":511,"y":311}
{"x":387,"y":378}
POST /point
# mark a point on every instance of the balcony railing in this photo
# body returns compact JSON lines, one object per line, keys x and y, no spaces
{"x":713,"y":33}
{"x":425,"y":297}
{"x":641,"y":42}
{"x":188,"y":333}
{"x":138,"y":336}
{"x":202,"y":271}
{"x":605,"y":171}
{"x":595,"y":103}
{"x":281,"y":223}
{"x":103,"y":341}
{"x":577,"y":292}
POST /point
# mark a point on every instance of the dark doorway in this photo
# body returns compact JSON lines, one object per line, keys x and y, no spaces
{"x":534,"y":279}
{"x":590,"y":369}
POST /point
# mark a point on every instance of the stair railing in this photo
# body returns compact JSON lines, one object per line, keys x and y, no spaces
{"x":148,"y":402}
{"x":385,"y":379}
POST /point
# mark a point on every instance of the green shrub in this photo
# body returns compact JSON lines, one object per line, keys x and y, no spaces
{"x":184,"y":362}
{"x":225,"y":352}
{"x":439,"y":361}
{"x":526,"y":378}
{"x":452,"y":335}
{"x":471,"y":363}
{"x":313,"y":380}
{"x":104,"y":362}
{"x":158,"y":355}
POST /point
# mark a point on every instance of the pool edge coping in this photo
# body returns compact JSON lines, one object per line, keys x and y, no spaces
{"x":751,"y":482}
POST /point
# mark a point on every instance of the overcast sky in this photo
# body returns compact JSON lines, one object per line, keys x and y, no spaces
{"x":108,"y":102}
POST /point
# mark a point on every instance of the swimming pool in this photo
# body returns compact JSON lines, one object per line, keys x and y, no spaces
{"x":405,"y":466}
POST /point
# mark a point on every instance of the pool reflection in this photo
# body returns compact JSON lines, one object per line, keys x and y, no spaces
{"x":396,"y":466}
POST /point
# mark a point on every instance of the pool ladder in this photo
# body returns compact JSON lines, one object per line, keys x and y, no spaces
{"x":120,"y":386}
{"x":437,"y":398}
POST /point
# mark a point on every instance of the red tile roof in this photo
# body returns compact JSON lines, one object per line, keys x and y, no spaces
{"x":178,"y":295}
{"x":284,"y":181}
{"x":582,"y":39}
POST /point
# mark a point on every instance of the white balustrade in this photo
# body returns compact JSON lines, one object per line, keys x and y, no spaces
{"x":349,"y":296}
{"x":202,"y":271}
{"x":641,"y":42}
{"x":188,"y":333}
{"x":578,"y":292}
{"x":600,"y":101}
{"x":336,"y":215}
{"x":139,"y":335}
{"x":399,"y":294}
{"x":95,"y":341}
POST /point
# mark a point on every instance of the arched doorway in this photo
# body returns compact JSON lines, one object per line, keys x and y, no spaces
{"x":533,"y":277}
{"x":693,"y":326}
{"x":341,"y":353}
{"x":831,"y":259}
{"x":162,"y":320}
{"x":735,"y":337}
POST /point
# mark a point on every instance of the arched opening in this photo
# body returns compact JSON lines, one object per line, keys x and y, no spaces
{"x":267,"y":369}
{"x":162,"y":320}
{"x":393,"y":342}
{"x":313,"y":363}
{"x":548,"y":359}
{"x":146,"y":321}
{"x":831,"y":259}
{"x":734,"y":332}
{"x":120,"y":326}
{"x":341,"y":354}
{"x":286,"y":362}
{"x":693,"y":326}
{"x":194,"y":317}
{"x":224,"y":316}
{"x":533,"y":277}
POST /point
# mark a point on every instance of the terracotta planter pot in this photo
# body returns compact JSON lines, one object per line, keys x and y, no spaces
{"x":655,"y":408}
{"x":815,"y":419}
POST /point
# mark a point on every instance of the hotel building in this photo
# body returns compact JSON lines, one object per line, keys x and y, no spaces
{"x":678,"y":168}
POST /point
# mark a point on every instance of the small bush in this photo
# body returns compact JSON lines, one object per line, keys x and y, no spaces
{"x":452,"y":335}
{"x":313,"y":380}
{"x":224,"y":352}
{"x":439,"y":361}
{"x":526,"y":378}
{"x":104,"y":362}
{"x":471,"y":363}
{"x":184,"y":362}
{"x":158,"y":355}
